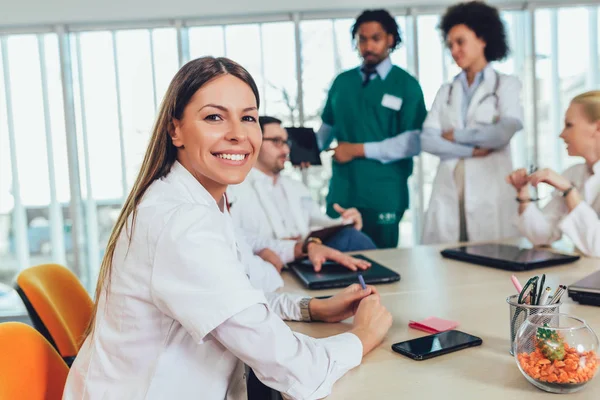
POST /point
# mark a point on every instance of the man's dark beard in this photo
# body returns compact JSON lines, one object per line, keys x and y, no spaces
{"x":371,"y":63}
{"x":276,"y":170}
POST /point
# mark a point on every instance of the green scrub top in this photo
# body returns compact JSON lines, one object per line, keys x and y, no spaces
{"x":357,"y":115}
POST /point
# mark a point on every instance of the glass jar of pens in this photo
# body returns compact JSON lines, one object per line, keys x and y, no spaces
{"x":532,"y":299}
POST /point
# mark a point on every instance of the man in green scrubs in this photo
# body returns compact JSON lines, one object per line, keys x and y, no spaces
{"x":366,"y":107}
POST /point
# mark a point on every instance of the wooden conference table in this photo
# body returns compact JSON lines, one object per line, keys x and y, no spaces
{"x":475,"y":296}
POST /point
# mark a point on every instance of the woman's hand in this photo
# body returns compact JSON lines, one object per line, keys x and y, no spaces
{"x":479,"y":152}
{"x":341,"y":306}
{"x":371,"y":322}
{"x":518,"y":178}
{"x":448,"y":135}
{"x":551,"y":178}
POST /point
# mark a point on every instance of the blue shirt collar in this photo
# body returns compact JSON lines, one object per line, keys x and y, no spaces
{"x":383,"y":68}
{"x":462,"y":77}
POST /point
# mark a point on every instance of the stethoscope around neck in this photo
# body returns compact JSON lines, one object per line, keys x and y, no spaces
{"x":494,"y":94}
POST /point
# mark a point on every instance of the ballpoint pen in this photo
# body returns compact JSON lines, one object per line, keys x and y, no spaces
{"x":564,"y":289}
{"x":545,"y":296}
{"x":539,"y":294}
{"x":555,"y":295}
{"x":362,"y":281}
{"x":558,"y":294}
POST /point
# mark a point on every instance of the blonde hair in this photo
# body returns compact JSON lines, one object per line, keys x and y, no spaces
{"x":161,"y":153}
{"x":591,"y":104}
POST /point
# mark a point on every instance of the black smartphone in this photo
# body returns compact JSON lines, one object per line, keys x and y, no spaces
{"x":435,"y":345}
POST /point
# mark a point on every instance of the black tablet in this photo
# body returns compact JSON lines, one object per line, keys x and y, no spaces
{"x":508,"y":257}
{"x":333,"y":275}
{"x":304,"y":146}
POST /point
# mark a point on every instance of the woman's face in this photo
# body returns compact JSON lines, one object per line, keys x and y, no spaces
{"x":466,"y":48}
{"x":218,"y":136}
{"x":580,"y":134}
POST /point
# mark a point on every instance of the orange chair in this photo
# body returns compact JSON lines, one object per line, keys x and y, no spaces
{"x":29,"y":368}
{"x":58,"y":306}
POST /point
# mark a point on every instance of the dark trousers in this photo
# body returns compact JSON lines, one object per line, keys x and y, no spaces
{"x":258,"y":390}
{"x":382,"y":227}
{"x":349,"y":239}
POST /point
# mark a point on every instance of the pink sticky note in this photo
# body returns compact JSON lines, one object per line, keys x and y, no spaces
{"x":433,"y":325}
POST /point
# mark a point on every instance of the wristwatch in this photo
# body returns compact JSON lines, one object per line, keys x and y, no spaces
{"x":305,"y":310}
{"x":308,"y":241}
{"x":566,"y":192}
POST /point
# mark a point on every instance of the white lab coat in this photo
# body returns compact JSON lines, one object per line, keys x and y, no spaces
{"x":489,"y":200}
{"x":262,"y":274}
{"x":253,"y":207}
{"x":181,"y":317}
{"x":581,"y":225}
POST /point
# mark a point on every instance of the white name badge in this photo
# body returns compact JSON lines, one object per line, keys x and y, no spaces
{"x":392,"y":102}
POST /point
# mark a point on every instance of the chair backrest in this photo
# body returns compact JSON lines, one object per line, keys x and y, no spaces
{"x":30,"y":368}
{"x":61,"y":303}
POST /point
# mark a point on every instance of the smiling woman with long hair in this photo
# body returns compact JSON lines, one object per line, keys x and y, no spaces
{"x":175,"y":313}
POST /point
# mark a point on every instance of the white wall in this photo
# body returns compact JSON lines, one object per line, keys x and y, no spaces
{"x":39,"y":12}
{"x":18,"y":12}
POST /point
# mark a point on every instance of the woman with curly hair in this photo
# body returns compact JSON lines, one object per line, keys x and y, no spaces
{"x":469,"y":126}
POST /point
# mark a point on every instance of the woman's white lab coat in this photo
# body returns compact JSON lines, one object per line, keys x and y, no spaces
{"x":489,"y":200}
{"x":581,"y":225}
{"x":181,"y":318}
{"x":262,"y":274}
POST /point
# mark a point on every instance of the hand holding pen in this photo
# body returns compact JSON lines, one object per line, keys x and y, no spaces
{"x":361,"y":280}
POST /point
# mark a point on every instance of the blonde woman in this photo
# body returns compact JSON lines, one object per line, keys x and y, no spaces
{"x":175,"y":314}
{"x":575,"y":205}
